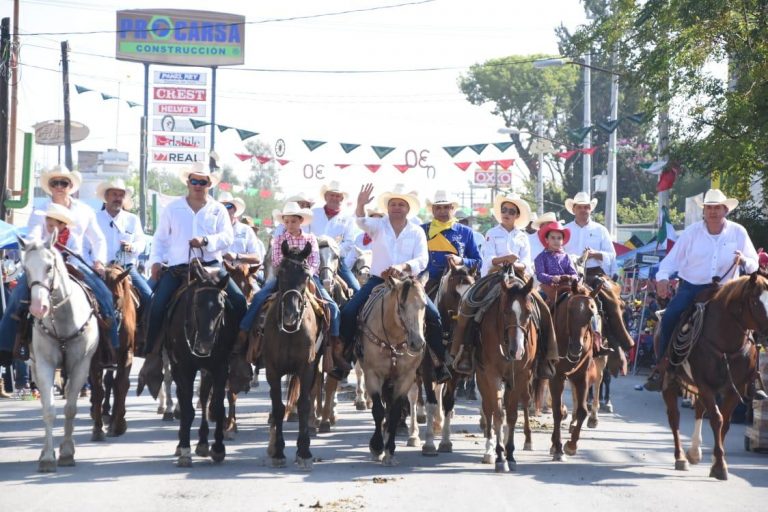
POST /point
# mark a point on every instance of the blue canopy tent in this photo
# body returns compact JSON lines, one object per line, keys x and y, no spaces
{"x":8,"y":233}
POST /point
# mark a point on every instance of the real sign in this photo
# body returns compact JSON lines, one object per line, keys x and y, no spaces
{"x":178,"y":157}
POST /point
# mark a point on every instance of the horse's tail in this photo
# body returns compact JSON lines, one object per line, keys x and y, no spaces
{"x":294,"y":386}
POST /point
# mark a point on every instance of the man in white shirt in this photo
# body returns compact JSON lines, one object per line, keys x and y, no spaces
{"x":245,"y":247}
{"x":398,"y":246}
{"x":588,"y":234}
{"x":123,"y":232}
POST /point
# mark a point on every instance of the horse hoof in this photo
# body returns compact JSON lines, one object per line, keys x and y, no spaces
{"x":292,"y":418}
{"x":693,"y":456}
{"x":161,"y":410}
{"x":312,"y":430}
{"x":217,"y":456}
{"x":184,"y":461}
{"x":229,"y":435}
{"x":413,"y":442}
{"x":559,"y":457}
{"x":606,"y":407}
{"x":177,"y":414}
{"x":278,"y":462}
{"x":445,"y":447}
{"x":592,"y":423}
{"x":501,"y":467}
{"x":202,"y":450}
{"x":304,"y":464}
{"x":376,"y":456}
{"x":46,"y":466}
{"x":66,"y":461}
{"x":360,"y":406}
{"x":428,"y":450}
{"x":511,"y":465}
{"x":97,"y":436}
{"x":488,"y":458}
{"x":169,"y":416}
{"x":421,"y":419}
{"x":569,"y":449}
{"x":116,"y":430}
{"x":106,"y":418}
{"x":527,"y":447}
{"x":721,"y":473}
{"x":325,"y":428}
{"x":681,"y":465}
{"x":389,"y":460}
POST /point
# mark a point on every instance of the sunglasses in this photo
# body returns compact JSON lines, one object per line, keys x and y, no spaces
{"x":198,"y":183}
{"x":229,"y":206}
{"x":510,"y":210}
{"x":59,"y":183}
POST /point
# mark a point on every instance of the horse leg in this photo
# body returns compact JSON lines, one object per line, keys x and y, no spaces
{"x":524,"y":392}
{"x":433,"y":423}
{"x":185,"y":383}
{"x":605,"y":393}
{"x":120,"y":385}
{"x":489,"y":395}
{"x":580,"y":385}
{"x":276,"y":446}
{"x":43,"y":373}
{"x":595,"y":386}
{"x":421,"y":415}
{"x":694,"y":452}
{"x":109,"y":385}
{"x":360,"y":402}
{"x":719,"y":468}
{"x":231,"y":426}
{"x":169,"y":411}
{"x":77,"y":367}
{"x":449,"y":401}
{"x":219,"y":377}
{"x":97,"y":400}
{"x":329,"y":391}
{"x":413,"y":429}
{"x":303,"y":454}
{"x":204,"y":399}
{"x":673,"y":416}
{"x":556,"y":385}
{"x":393,"y":420}
{"x":376,"y":444}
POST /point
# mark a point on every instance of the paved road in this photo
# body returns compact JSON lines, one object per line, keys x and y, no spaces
{"x":626,"y":462}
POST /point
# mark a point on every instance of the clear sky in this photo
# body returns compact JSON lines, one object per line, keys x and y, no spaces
{"x":407,"y":110}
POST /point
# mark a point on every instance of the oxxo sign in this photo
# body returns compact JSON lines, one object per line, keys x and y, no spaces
{"x":492,"y":178}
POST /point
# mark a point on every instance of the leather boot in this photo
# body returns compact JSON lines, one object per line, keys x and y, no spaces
{"x":337,"y":347}
{"x":656,"y":378}
{"x":463,"y":362}
{"x":151,"y":374}
{"x":442,"y":374}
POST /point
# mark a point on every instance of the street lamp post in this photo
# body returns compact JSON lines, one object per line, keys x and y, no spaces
{"x":540,"y":151}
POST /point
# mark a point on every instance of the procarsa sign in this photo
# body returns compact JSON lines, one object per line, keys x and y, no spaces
{"x":181,"y":37}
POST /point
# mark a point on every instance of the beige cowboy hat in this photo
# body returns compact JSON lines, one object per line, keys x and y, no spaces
{"x":410,"y":198}
{"x":525,"y":210}
{"x":333,"y":186}
{"x":239,"y":204}
{"x":545,"y":218}
{"x":60,"y":171}
{"x":580,"y":198}
{"x":292,"y":208}
{"x":301,"y":197}
{"x":441,"y":198}
{"x":374,"y":212}
{"x":59,"y":212}
{"x":115,"y":184}
{"x":199,"y":169}
{"x":714,"y":197}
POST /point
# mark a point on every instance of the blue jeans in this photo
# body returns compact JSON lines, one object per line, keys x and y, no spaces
{"x":141,"y":285}
{"x":334,"y":308}
{"x":257,"y":301}
{"x":346,"y":274}
{"x":351,"y":309}
{"x":103,"y":297}
{"x":686,"y":293}
{"x":22,"y":373}
{"x":8,"y":324}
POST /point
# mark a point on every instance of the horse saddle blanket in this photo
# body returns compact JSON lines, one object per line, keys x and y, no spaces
{"x":317,"y":304}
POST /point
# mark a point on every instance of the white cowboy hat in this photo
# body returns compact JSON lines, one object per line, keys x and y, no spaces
{"x":115,"y":184}
{"x":226,"y":197}
{"x":58,"y":212}
{"x":545,"y":218}
{"x":714,"y":197}
{"x":374,"y":211}
{"x":333,"y":186}
{"x":60,"y":171}
{"x":580,"y":198}
{"x":292,"y":208}
{"x":411,"y":199}
{"x":301,"y":197}
{"x":441,"y":198}
{"x":522,"y":206}
{"x":199,"y":169}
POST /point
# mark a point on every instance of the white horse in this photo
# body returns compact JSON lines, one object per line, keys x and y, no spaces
{"x":65,"y":334}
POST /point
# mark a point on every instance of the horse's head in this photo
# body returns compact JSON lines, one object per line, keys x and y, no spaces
{"x":747,"y":300}
{"x":410,"y":301}
{"x":362,"y":266}
{"x":206,"y":306}
{"x":329,"y":261}
{"x":611,"y":311}
{"x":244,"y":276}
{"x":293,"y":275}
{"x":516,"y":306}
{"x":581,"y":314}
{"x":119,"y":282}
{"x":45,"y":271}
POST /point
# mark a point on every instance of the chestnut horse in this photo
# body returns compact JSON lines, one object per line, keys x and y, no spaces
{"x":721,"y":361}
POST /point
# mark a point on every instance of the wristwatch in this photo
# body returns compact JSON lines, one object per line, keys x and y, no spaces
{"x":205,"y":240}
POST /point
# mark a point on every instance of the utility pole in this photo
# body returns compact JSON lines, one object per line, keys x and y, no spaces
{"x":67,"y":127}
{"x":540,"y":181}
{"x":586,"y":182}
{"x":610,"y":196}
{"x":5,"y":52}
{"x":14,"y":80}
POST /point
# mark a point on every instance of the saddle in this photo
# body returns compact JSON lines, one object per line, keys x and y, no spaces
{"x":688,"y":328}
{"x":362,"y":317}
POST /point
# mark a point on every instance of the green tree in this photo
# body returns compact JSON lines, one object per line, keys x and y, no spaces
{"x":644,"y":210}
{"x":262,"y":184}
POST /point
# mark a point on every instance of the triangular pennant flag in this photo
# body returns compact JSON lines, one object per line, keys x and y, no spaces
{"x":608,"y":126}
{"x":478,"y":148}
{"x":80,"y":89}
{"x":225,"y":186}
{"x":506,"y":164}
{"x":342,"y":166}
{"x":463,"y":165}
{"x":108,"y":97}
{"x":566,"y":154}
{"x":263,"y":159}
{"x":503,"y":146}
{"x":589,"y":151}
{"x":637,"y":118}
{"x":348,"y":148}
{"x":313,"y":144}
{"x":485,"y":164}
{"x":382,"y":151}
{"x":237,"y":188}
{"x":453,"y":150}
{"x":244,"y":156}
{"x":251,"y":191}
{"x":373,"y":167}
{"x":244,"y":134}
{"x":222,"y":128}
{"x":281,"y":161}
{"x":579,"y":134}
{"x":197,"y":123}
{"x":133,"y":104}
{"x":402,"y":167}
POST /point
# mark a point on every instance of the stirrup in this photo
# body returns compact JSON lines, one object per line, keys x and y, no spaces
{"x":655,"y":382}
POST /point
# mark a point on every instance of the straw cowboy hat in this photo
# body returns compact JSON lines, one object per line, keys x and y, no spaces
{"x":545,"y":218}
{"x":580,"y":198}
{"x":199,"y":169}
{"x":292,"y":208}
{"x":411,"y":199}
{"x":374,"y":211}
{"x":333,"y":186}
{"x":714,"y":197}
{"x":60,"y":171}
{"x":545,"y":229}
{"x":115,"y":184}
{"x":226,"y":197}
{"x":59,"y":212}
{"x":301,"y":197}
{"x":522,"y":206}
{"x":441,"y":198}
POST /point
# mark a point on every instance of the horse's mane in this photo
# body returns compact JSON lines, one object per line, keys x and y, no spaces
{"x":733,"y":291}
{"x":330,"y":242}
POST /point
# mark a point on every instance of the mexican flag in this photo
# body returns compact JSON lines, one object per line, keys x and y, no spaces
{"x":666,"y":230}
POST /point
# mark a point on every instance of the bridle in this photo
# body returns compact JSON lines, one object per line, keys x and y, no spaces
{"x":302,"y":304}
{"x":512,"y":327}
{"x":218,"y":320}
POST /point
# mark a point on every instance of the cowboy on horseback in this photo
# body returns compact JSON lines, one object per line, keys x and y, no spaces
{"x":399,"y":247}
{"x":245,"y":248}
{"x":193,"y":225}
{"x":506,"y":245}
{"x":553,"y":266}
{"x":60,"y":183}
{"x":707,"y":251}
{"x":588,"y":235}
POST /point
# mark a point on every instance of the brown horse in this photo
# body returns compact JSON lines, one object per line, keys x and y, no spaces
{"x":119,"y":283}
{"x":574,"y":320}
{"x":244,"y":276}
{"x":722,"y":360}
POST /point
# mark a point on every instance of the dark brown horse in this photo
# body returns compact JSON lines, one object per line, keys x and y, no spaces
{"x":244,"y":276}
{"x":721,"y":361}
{"x":119,"y":283}
{"x":575,"y":322}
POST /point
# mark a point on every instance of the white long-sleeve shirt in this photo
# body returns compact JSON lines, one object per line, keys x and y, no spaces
{"x":123,"y":227}
{"x":245,"y":241}
{"x":536,"y":247}
{"x":179,"y":224}
{"x":698,"y":256}
{"x":339,"y":227}
{"x":597,"y":238}
{"x":84,"y":227}
{"x":410,"y":246}
{"x":500,"y":242}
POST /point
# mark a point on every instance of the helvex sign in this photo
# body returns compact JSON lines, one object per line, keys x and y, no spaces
{"x":179,"y":93}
